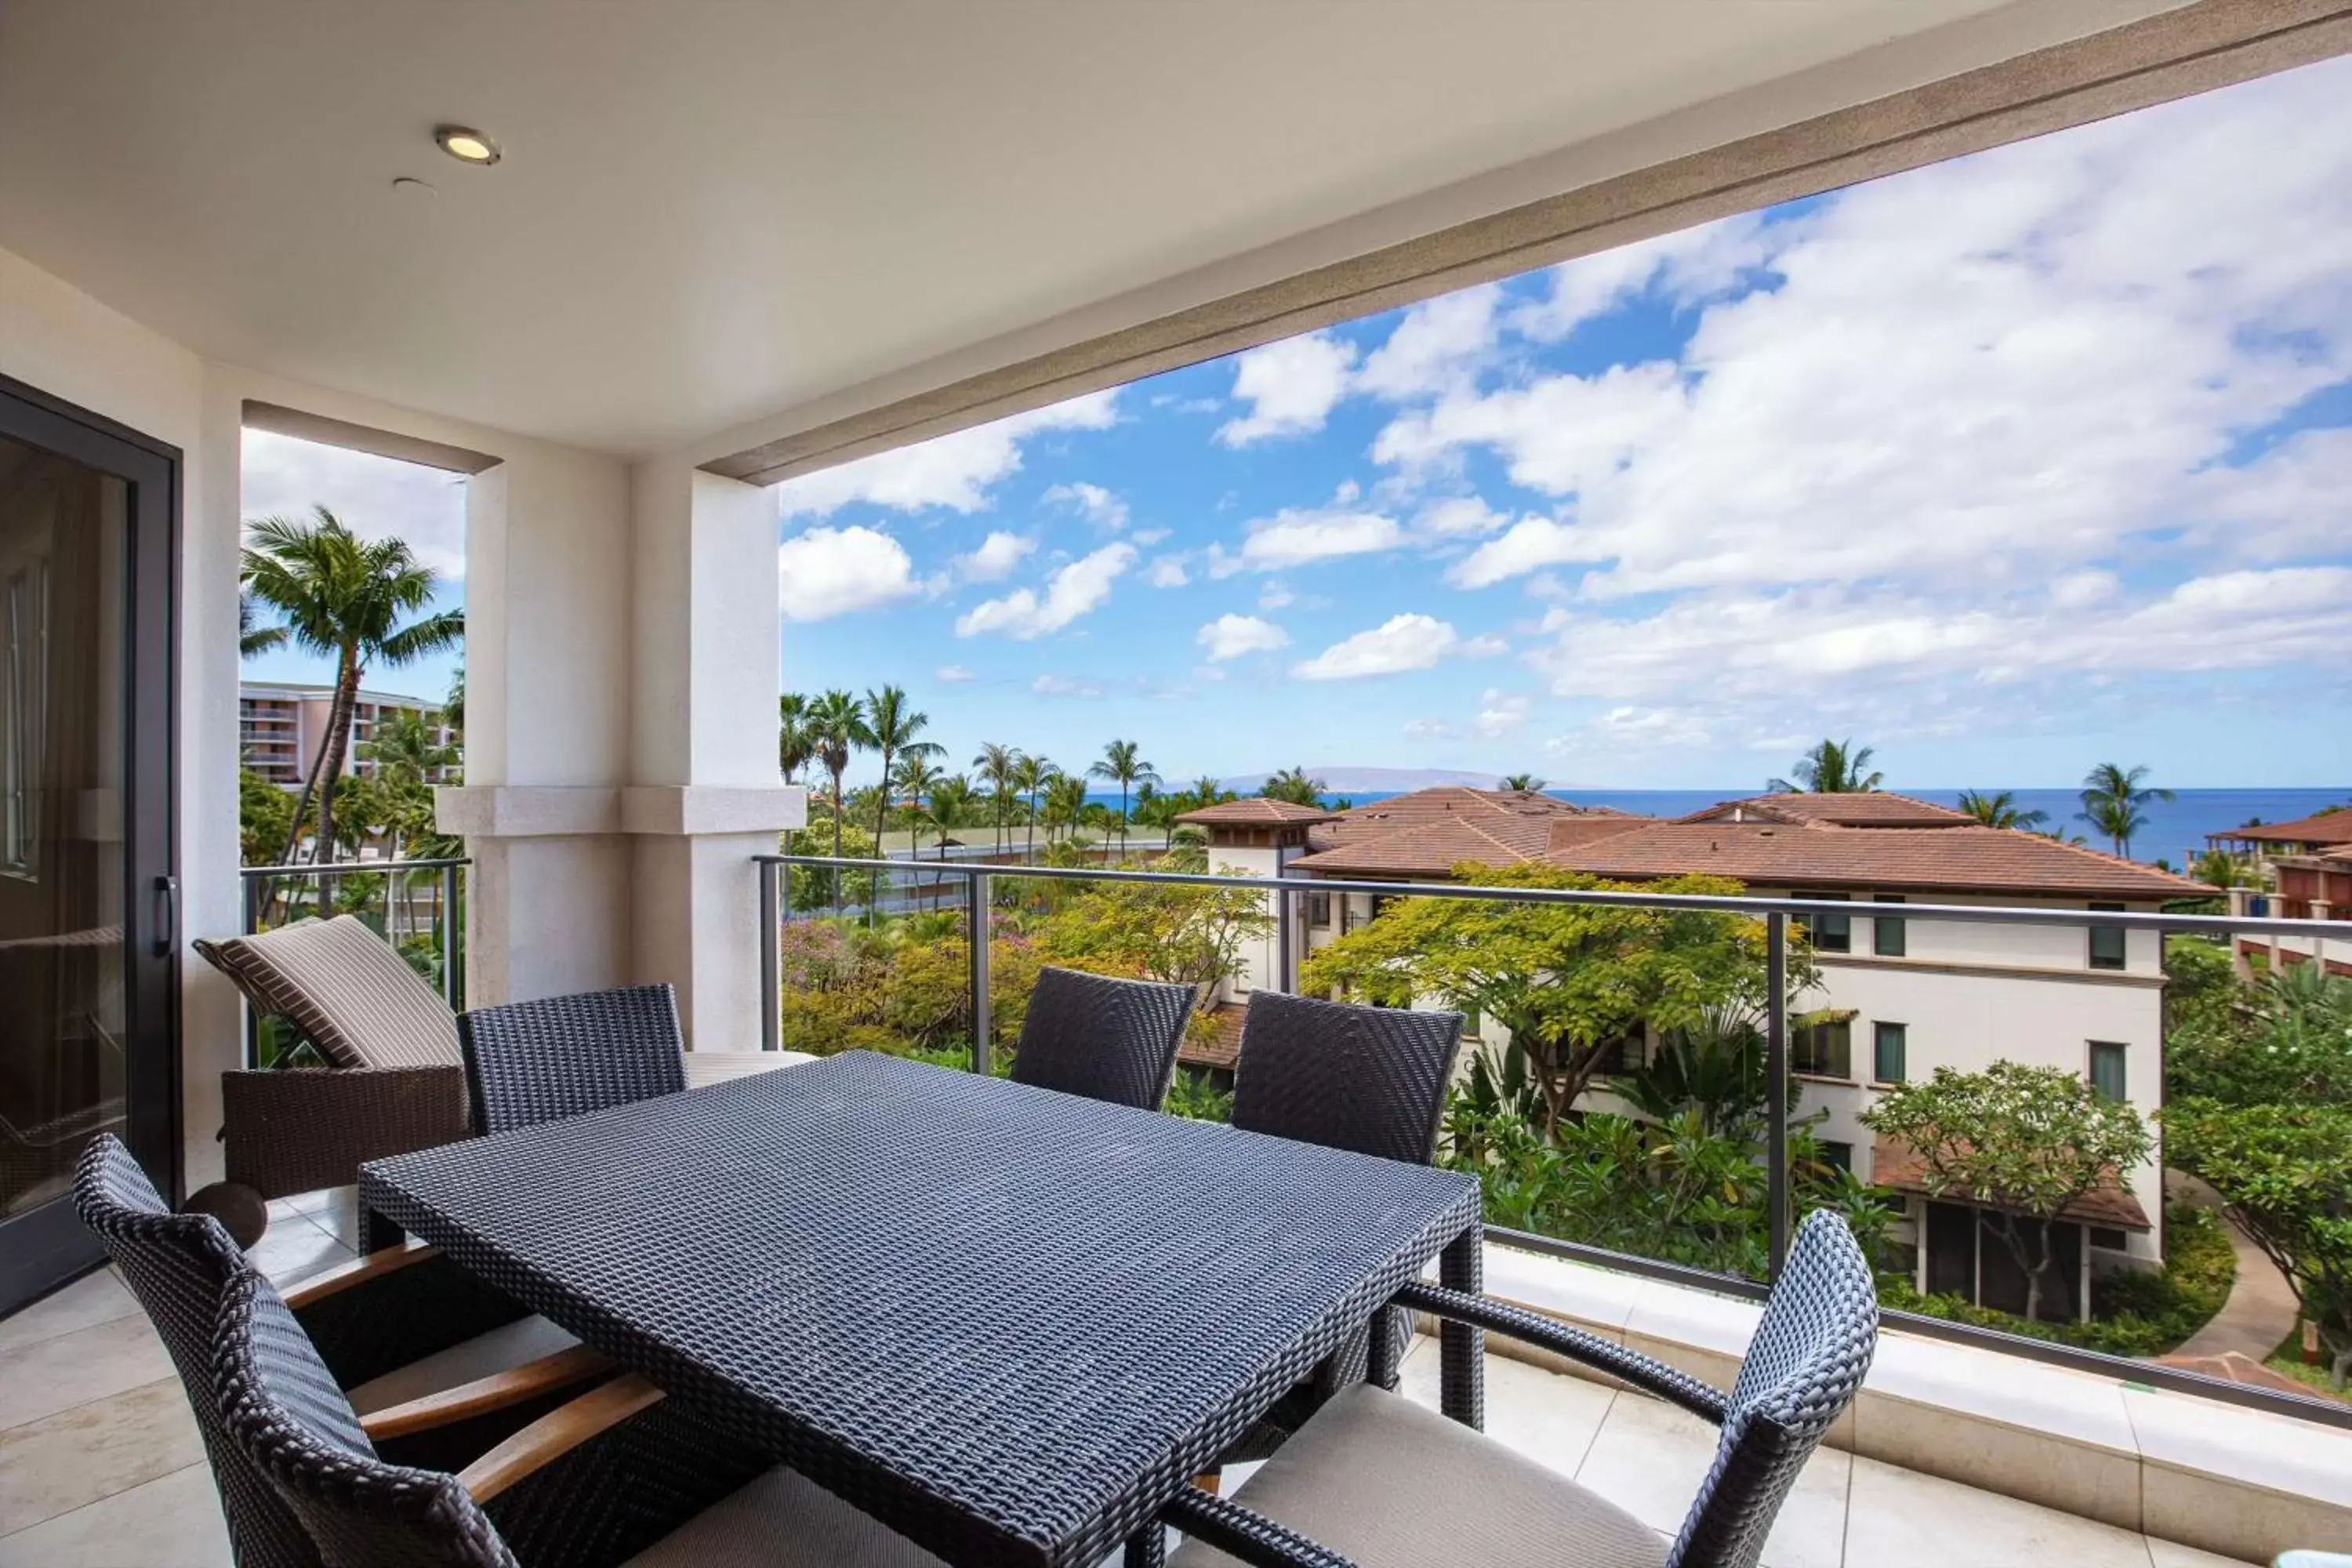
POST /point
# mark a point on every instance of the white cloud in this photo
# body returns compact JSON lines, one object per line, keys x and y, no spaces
{"x":1096,"y":504}
{"x":1439,"y":347}
{"x":998,"y":555}
{"x":955,"y":674}
{"x":829,"y":572}
{"x":1401,"y":643}
{"x":1291,"y":387}
{"x":1487,"y":646}
{"x":1167,"y":571}
{"x":1499,"y":713}
{"x":1147,"y":537}
{"x":1071,"y":592}
{"x":2042,"y":359}
{"x":1231,"y":636}
{"x":1459,"y":517}
{"x":1064,"y":686}
{"x":1428,"y":729}
{"x":954,"y":470}
{"x":376,"y":498}
{"x":1685,"y":267}
{"x":1293,"y":537}
{"x":1275,"y":597}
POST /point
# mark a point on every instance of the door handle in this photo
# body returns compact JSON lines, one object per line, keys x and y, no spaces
{"x":166,"y":891}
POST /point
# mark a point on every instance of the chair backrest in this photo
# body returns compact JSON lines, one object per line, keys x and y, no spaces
{"x":178,"y":1265}
{"x":345,"y":988}
{"x":1803,"y":1369}
{"x":1101,"y":1037}
{"x":1368,"y":1078}
{"x":527,"y":1062}
{"x":282,"y":1409}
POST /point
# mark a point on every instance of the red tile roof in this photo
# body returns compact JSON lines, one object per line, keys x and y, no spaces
{"x":1221,"y":1050}
{"x":1893,"y":1163}
{"x":1431,"y":831}
{"x":1256,"y":812}
{"x":1872,"y":808}
{"x":1971,"y":859}
{"x":2326,"y":827}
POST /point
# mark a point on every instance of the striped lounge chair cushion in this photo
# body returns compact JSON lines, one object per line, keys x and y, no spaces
{"x":345,"y":988}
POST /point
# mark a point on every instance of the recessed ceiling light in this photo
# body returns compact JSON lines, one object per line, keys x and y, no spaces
{"x":467,"y":144}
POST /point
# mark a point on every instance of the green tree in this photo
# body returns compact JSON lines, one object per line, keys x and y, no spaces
{"x":2112,"y":797}
{"x":405,"y":747}
{"x":357,"y":601}
{"x":1833,"y":767}
{"x":2283,"y":1174}
{"x":1713,"y":1066}
{"x":819,"y":887}
{"x":453,"y":707}
{"x":1524,"y":783}
{"x":264,"y":813}
{"x":916,"y":784}
{"x":1294,"y":785}
{"x":252,"y":636}
{"x":1030,"y":777}
{"x":837,"y":730}
{"x":1567,"y":980}
{"x":997,"y":766}
{"x":1191,"y":934}
{"x":2285,"y":1039}
{"x":1122,"y":764}
{"x":1065,"y":804}
{"x":795,"y":746}
{"x":1998,"y":808}
{"x":953,"y":801}
{"x":2021,"y":1143}
{"x":897,"y":729}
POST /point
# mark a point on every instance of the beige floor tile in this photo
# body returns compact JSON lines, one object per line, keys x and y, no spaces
{"x":319,"y":1202}
{"x":1899,"y":1519}
{"x":295,"y":1248}
{"x":66,"y":1461}
{"x":95,"y":1297}
{"x":73,"y":1369}
{"x":1649,"y":1457}
{"x":171,"y":1522}
{"x":2172,"y":1555}
{"x":1550,"y":1418}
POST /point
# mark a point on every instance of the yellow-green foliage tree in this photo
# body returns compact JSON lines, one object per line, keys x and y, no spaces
{"x":1567,"y":980}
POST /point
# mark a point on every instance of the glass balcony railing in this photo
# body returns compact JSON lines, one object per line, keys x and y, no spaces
{"x":418,"y":906}
{"x":1659,"y":1082}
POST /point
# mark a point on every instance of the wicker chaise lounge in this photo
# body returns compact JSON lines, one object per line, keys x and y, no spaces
{"x":394,"y":1083}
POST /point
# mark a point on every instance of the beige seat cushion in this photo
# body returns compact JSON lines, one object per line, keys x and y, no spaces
{"x":346,"y":989}
{"x":1390,"y":1484}
{"x":503,"y":1348}
{"x":782,"y":1521}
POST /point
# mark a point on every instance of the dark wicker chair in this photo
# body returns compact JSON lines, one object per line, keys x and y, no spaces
{"x":442,"y":1364}
{"x":527,"y":1062}
{"x":1370,"y":1079}
{"x":617,"y":1475}
{"x":1383,"y":1482}
{"x":1104,"y":1038}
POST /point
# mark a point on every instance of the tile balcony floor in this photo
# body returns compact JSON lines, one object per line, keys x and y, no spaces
{"x":100,"y":1466}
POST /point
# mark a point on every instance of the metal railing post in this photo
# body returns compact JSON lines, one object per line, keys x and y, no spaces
{"x":453,"y":989}
{"x":1286,"y":935}
{"x":255,"y":894}
{"x":772,"y":961}
{"x":976,"y":927}
{"x":1776,"y":1076}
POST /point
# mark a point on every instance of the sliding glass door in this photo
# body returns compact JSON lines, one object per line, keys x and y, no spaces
{"x":88,"y":1009}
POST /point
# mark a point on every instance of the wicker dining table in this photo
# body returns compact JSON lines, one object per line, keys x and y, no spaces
{"x":1007,"y":1321}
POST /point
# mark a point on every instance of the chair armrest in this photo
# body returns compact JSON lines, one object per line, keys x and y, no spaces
{"x":1239,"y":1533}
{"x":358,"y":1271}
{"x":395,"y":1306}
{"x":556,"y":1434}
{"x":300,"y":1129}
{"x":1550,"y":1334}
{"x":531,"y":1380}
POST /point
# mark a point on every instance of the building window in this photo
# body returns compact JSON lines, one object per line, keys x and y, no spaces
{"x":1889,"y":933}
{"x":2106,"y":942}
{"x":1471,"y":1019}
{"x":1888,"y":1042}
{"x":2109,"y":1240}
{"x":1828,"y":933}
{"x":1618,"y":1057}
{"x":1823,"y":1048}
{"x":1840,"y":1155}
{"x":1318,"y":911}
{"x":2107,"y":1079}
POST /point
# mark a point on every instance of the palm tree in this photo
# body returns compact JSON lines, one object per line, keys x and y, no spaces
{"x":894,"y":728}
{"x":1208,"y":790}
{"x":2112,"y":797}
{"x":1833,"y":767}
{"x":836,"y":725}
{"x":1522,"y":783}
{"x":453,"y":707}
{"x":951,"y":802}
{"x":1122,"y":764}
{"x":1294,"y":785}
{"x":404,"y":745}
{"x":1999,"y":809}
{"x":251,"y":637}
{"x":914,"y":784}
{"x":997,"y":764}
{"x":794,"y":746}
{"x":356,"y":602}
{"x":1066,"y":803}
{"x":1030,"y":776}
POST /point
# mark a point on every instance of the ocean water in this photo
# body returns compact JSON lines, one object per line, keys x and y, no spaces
{"x":2175,"y":827}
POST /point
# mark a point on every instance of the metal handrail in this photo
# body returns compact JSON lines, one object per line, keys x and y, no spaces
{"x":1775,"y":913}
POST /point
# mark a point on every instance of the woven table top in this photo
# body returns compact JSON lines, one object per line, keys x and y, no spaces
{"x":1008,"y":1322}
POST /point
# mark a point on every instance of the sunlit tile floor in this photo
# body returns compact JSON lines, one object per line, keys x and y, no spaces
{"x":100,"y":1466}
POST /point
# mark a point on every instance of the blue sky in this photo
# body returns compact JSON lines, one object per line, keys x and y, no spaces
{"x":2009,"y":465}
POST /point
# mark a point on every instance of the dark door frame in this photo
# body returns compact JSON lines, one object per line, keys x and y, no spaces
{"x":49,"y":1246}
